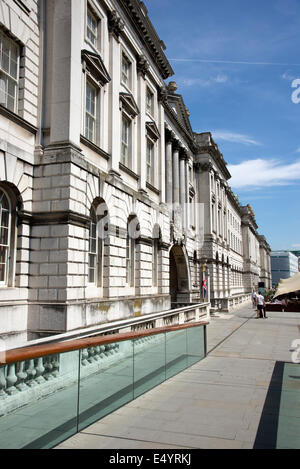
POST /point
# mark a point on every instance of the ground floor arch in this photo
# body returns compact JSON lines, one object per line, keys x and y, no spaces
{"x":179,"y":275}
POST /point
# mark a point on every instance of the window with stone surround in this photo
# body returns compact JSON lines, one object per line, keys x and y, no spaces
{"x":91,"y":107}
{"x":133,"y":233}
{"x":9,"y":72}
{"x":126,"y":141}
{"x":126,"y":71}
{"x":154,"y":262}
{"x":93,"y":248}
{"x":95,"y":77}
{"x":150,"y":161}
{"x":98,"y":233}
{"x":92,"y":27}
{"x":5,"y":234}
{"x":149,"y":101}
{"x":130,"y":258}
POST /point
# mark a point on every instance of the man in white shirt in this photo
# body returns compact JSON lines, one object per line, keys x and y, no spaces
{"x":261,"y":306}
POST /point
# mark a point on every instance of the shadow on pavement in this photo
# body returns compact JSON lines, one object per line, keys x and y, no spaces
{"x":266,"y":437}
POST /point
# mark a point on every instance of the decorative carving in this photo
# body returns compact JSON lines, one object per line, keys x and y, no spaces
{"x":142,"y":65}
{"x":203,"y":167}
{"x":172,"y":87}
{"x":176,"y":145}
{"x":162,"y":95}
{"x":115,"y":23}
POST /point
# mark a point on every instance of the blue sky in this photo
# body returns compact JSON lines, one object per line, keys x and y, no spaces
{"x":235,"y":63}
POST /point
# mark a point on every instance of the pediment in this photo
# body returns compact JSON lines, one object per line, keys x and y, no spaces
{"x":152,"y":130}
{"x":178,"y":107}
{"x":129,"y":104}
{"x":95,"y":65}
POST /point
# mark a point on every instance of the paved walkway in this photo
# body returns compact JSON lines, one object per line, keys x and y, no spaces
{"x":244,"y":394}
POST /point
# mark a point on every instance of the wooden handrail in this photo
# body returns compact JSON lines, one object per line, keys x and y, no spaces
{"x":38,"y":351}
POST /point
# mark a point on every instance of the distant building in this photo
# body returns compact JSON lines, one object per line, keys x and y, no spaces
{"x":284,"y":264}
{"x":297,"y":253}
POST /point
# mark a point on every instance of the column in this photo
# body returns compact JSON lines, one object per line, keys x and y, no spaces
{"x":114,"y":102}
{"x":169,"y":168}
{"x":187,"y":191}
{"x":65,"y":125}
{"x":176,"y":172}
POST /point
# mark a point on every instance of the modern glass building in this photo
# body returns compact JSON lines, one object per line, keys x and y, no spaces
{"x":284,"y":264}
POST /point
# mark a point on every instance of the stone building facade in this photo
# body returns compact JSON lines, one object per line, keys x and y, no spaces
{"x":111,"y":206}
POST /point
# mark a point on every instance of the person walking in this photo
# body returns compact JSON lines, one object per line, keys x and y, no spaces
{"x":261,"y":306}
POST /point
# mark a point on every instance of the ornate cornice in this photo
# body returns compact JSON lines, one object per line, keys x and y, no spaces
{"x":138,"y":17}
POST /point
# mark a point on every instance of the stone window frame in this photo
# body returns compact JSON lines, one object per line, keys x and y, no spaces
{"x":95,"y":74}
{"x":95,"y":14}
{"x":93,"y":248}
{"x":100,"y":224}
{"x":129,"y":111}
{"x":126,"y":141}
{"x":152,"y":137}
{"x":7,"y":75}
{"x":12,"y":238}
{"x":150,"y":164}
{"x":150,"y":109}
{"x":89,"y":116}
{"x":132,"y":234}
{"x":126,"y":79}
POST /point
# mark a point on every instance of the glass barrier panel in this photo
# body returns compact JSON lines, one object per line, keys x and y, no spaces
{"x":106,"y":380}
{"x":38,"y":401}
{"x":196,"y":345}
{"x":149,"y":363}
{"x":176,"y":352}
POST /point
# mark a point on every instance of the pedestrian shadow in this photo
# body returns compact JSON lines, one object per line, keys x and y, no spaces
{"x":266,"y":437}
{"x":279,"y":426}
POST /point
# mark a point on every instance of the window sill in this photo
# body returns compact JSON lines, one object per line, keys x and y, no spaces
{"x":17,"y":119}
{"x":94,"y":48}
{"x":152,"y":188}
{"x":92,"y":146}
{"x":129,"y":171}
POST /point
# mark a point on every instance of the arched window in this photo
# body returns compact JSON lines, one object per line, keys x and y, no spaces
{"x":133,"y":232}
{"x":93,"y":248}
{"x":97,"y":232}
{"x":156,"y":238}
{"x":5,"y":228}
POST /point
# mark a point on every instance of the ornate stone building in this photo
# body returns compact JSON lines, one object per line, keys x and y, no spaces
{"x":111,"y":207}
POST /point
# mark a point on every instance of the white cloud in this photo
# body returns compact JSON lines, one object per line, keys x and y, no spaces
{"x":298,"y":150}
{"x":218,"y":79}
{"x":232,"y":137}
{"x":263,"y":173}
